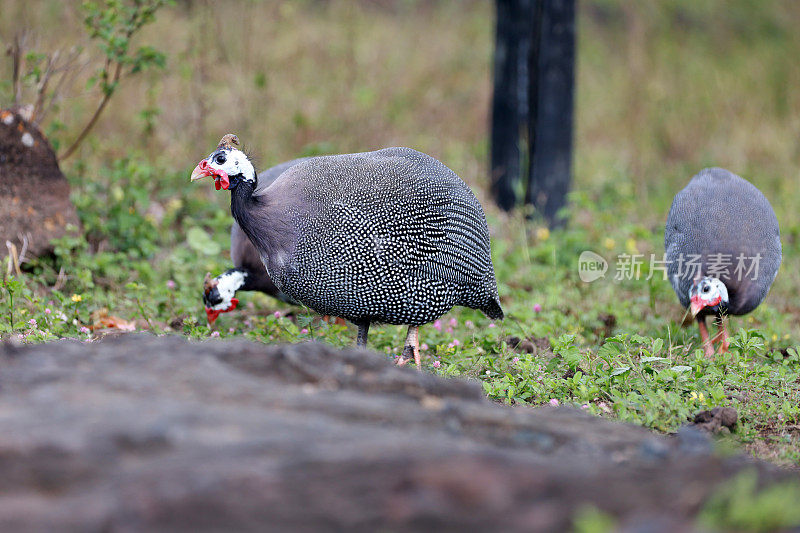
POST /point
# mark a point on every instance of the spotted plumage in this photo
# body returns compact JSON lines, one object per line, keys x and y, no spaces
{"x":389,"y":236}
{"x":410,"y":239}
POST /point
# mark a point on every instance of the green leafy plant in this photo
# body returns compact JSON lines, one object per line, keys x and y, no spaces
{"x":112,"y":25}
{"x":11,"y":287}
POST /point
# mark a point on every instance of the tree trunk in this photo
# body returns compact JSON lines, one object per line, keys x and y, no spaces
{"x":532,"y":103}
{"x":510,"y":99}
{"x":551,"y":71}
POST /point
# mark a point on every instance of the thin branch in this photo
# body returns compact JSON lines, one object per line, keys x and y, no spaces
{"x":67,"y":71}
{"x":25,"y":239}
{"x":107,"y":93}
{"x":106,"y":96}
{"x":41,"y":89}
{"x":61,"y":279}
{"x":15,"y":51}
{"x":13,"y":260}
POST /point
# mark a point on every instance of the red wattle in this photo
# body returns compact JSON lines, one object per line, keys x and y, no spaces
{"x":212,"y":314}
{"x":221,"y":180}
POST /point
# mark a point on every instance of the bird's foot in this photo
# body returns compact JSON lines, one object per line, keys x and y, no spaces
{"x":410,"y":353}
{"x":708,"y":348}
{"x":725,"y":342}
{"x":708,"y":343}
{"x":411,"y":348}
{"x":724,"y":345}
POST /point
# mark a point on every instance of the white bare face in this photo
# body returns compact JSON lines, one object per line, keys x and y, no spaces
{"x":232,"y":162}
{"x":227,"y":285}
{"x":709,"y":292}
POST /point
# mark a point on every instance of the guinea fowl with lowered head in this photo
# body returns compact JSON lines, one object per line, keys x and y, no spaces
{"x":391,"y":236}
{"x":723,"y":249}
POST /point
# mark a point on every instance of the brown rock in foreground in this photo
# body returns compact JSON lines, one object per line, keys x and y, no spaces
{"x":34,"y":195}
{"x":147,"y":433}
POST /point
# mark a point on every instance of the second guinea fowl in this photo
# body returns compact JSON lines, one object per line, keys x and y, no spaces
{"x":391,"y":236}
{"x":723,"y":248}
{"x":248,"y":272}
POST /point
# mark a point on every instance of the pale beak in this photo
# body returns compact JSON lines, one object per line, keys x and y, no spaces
{"x":201,"y":171}
{"x":696,"y":305}
{"x":204,"y":169}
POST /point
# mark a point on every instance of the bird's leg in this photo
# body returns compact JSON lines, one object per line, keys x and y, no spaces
{"x":722,"y":335}
{"x":708,"y":347}
{"x":363,"y":330}
{"x":725,"y":338}
{"x":411,"y":348}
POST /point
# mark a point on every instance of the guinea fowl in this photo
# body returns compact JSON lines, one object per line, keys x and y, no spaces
{"x":391,"y":236}
{"x":723,"y":249}
{"x":248,"y":274}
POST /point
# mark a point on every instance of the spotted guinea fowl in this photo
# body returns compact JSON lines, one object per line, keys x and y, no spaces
{"x":248,"y":274}
{"x":723,"y":249}
{"x":391,"y":236}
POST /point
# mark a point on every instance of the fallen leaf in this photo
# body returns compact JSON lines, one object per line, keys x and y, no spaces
{"x":102,"y":320}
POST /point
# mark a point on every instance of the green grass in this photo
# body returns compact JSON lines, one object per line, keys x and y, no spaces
{"x":742,"y":506}
{"x":663,"y":90}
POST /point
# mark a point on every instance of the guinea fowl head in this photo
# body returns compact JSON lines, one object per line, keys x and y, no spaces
{"x":218,"y":294}
{"x":708,"y":293}
{"x":228,"y":165}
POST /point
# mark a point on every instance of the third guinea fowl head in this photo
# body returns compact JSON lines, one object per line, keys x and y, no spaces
{"x":219,"y":293}
{"x":228,"y":165}
{"x":708,"y":293}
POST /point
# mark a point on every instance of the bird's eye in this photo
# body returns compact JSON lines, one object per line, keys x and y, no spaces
{"x":220,"y":159}
{"x":706,"y":288}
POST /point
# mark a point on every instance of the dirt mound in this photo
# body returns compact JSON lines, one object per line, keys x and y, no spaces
{"x":34,"y":195}
{"x":718,"y":419}
{"x":145,"y":433}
